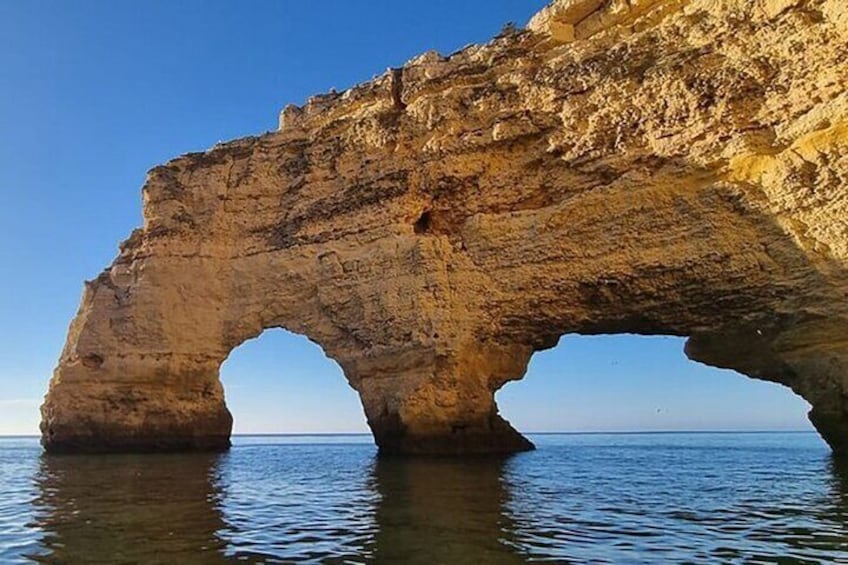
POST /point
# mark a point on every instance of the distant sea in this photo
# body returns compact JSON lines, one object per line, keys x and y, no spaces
{"x":580,"y":498}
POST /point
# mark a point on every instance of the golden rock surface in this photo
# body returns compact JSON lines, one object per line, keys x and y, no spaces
{"x":672,"y":167}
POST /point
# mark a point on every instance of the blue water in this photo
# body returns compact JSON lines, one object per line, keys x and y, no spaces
{"x":598,"y":498}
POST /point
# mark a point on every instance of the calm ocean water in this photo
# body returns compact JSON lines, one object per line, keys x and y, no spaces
{"x":630,"y":498}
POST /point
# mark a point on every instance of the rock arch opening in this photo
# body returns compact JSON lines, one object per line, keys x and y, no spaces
{"x":282,"y":383}
{"x":636,"y":383}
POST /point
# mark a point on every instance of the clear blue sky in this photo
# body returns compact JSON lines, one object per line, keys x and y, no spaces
{"x":94,"y":93}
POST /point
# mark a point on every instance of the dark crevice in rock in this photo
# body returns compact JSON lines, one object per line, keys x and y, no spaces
{"x":397,"y":89}
{"x":424,"y":223}
{"x":92,"y":361}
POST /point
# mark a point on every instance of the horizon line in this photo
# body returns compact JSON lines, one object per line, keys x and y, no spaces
{"x":591,"y":432}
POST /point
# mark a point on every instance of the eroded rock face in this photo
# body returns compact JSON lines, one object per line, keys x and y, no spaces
{"x":644,"y":166}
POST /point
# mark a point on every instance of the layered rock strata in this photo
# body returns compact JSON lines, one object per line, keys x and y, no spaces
{"x":675,"y":167}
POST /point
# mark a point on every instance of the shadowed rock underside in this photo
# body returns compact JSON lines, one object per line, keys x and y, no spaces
{"x":645,"y":166}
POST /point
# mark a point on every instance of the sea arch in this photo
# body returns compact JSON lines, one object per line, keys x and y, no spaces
{"x":281,"y":383}
{"x":636,"y":383}
{"x":432,"y":228}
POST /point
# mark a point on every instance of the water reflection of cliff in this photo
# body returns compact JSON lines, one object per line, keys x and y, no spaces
{"x":442,"y":511}
{"x":279,"y":503}
{"x":129,"y":509}
{"x":837,"y":511}
{"x":275,"y":504}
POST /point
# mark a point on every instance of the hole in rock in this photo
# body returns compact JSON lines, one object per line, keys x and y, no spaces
{"x":282,"y":383}
{"x":424,"y":224}
{"x":624,"y":383}
{"x":92,"y":361}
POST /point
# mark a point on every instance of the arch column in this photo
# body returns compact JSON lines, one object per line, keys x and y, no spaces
{"x":427,"y":402}
{"x":129,"y":381}
{"x":83,"y":414}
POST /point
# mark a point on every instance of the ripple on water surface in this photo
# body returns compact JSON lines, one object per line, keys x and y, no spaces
{"x":578,"y":498}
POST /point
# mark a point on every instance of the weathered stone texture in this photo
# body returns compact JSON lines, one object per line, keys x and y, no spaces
{"x":644,"y":166}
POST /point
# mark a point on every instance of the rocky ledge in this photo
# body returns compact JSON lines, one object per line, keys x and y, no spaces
{"x":674,"y":167}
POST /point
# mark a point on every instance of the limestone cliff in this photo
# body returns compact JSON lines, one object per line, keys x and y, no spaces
{"x":669,"y":167}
